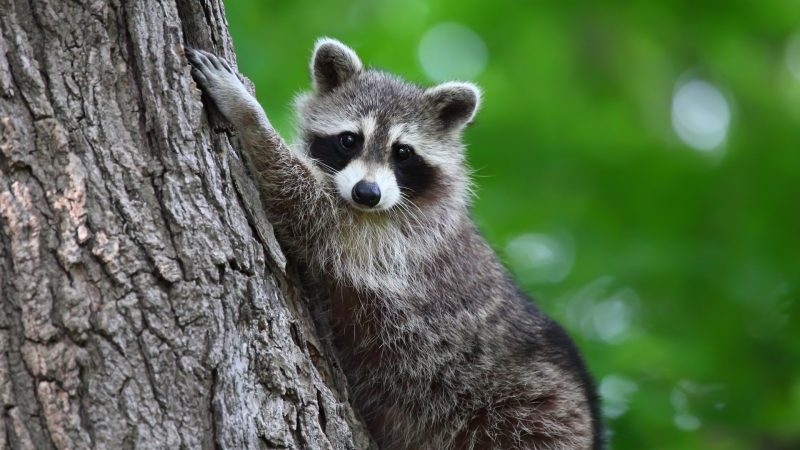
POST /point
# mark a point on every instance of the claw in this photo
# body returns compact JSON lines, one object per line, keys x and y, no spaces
{"x":213,"y":60}
{"x":199,"y":76}
{"x":225,"y":65}
{"x":192,"y":56}
{"x":198,"y":58}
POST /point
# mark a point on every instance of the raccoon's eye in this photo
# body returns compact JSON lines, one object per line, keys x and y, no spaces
{"x":402,"y":152}
{"x":348,"y":140}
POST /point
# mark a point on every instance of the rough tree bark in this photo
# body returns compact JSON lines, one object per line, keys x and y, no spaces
{"x":145,"y":302}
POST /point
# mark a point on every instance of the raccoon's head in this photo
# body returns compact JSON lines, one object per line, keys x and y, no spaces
{"x":381,"y":142}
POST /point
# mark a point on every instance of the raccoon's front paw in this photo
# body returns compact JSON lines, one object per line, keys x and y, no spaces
{"x":215,"y":76}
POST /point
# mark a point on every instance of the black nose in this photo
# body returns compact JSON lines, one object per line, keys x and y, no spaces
{"x":366,"y":193}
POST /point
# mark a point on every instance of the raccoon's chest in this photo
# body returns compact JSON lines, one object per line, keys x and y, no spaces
{"x":352,"y":320}
{"x":344,"y":306}
{"x":359,"y":328}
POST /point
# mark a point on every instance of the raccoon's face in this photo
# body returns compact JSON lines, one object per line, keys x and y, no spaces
{"x":384,"y":143}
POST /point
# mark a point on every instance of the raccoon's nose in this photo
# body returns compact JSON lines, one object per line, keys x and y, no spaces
{"x":366,"y":193}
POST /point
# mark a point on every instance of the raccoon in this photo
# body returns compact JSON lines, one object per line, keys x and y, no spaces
{"x":440,"y":348}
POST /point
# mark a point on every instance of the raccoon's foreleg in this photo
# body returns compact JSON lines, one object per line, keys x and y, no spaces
{"x":287,"y":183}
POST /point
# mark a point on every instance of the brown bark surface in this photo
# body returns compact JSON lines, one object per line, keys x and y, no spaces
{"x":144,"y":298}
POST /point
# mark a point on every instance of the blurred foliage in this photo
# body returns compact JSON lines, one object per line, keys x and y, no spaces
{"x":679,"y":268}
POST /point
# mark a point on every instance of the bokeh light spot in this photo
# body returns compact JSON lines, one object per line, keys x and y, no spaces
{"x":612,"y":318}
{"x":687,"y":392}
{"x":541,"y":258}
{"x":687,"y":422}
{"x":601,"y":313}
{"x":450,"y":51}
{"x":700,"y":115}
{"x":793,"y":55}
{"x":616,"y":392}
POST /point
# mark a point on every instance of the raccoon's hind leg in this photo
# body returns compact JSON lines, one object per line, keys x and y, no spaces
{"x":286,"y":181}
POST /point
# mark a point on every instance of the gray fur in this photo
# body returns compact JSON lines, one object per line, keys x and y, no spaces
{"x":440,"y":348}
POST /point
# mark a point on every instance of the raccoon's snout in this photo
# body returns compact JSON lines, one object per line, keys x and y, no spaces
{"x":366,"y":193}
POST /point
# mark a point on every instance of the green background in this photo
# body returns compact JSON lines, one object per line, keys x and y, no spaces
{"x":676,"y":270}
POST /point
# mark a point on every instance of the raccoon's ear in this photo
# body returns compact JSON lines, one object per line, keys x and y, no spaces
{"x":333,"y":63}
{"x":455,"y":103}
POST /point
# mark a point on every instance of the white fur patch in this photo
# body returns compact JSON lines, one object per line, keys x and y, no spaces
{"x":396,"y":131}
{"x":357,"y":171}
{"x":429,"y":148}
{"x":331,"y":125}
{"x":368,"y":127}
{"x":348,"y":177}
{"x":390,"y":191}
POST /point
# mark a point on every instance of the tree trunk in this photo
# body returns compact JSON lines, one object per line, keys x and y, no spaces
{"x":145,"y":302}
